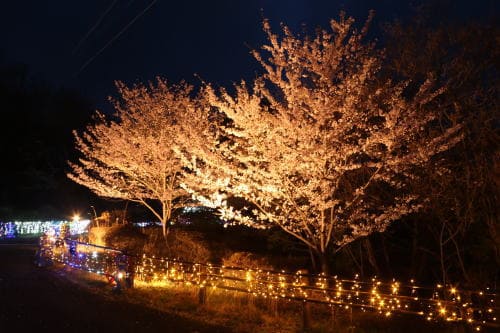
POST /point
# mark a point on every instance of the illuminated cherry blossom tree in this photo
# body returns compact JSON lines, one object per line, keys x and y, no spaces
{"x":132,"y":156}
{"x":318,"y":145}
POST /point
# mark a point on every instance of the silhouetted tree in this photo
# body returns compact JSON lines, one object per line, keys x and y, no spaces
{"x":464,"y":199}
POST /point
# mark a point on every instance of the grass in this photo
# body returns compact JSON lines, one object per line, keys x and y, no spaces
{"x":225,"y":308}
{"x":243,"y":313}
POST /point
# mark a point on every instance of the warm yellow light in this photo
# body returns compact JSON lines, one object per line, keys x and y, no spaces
{"x":265,"y":284}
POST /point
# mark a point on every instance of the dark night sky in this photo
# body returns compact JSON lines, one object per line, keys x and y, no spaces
{"x":170,"y":39}
{"x":87,"y":45}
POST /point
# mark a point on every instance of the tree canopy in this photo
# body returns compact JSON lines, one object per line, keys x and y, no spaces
{"x":319,"y":145}
{"x":132,"y":156}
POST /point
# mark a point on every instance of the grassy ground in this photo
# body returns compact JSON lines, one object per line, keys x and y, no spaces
{"x":242,"y":313}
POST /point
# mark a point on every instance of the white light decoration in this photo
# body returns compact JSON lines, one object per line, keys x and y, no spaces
{"x":77,"y":227}
{"x":36,"y":228}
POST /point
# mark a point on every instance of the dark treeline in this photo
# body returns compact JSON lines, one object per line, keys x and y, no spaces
{"x":36,"y":141}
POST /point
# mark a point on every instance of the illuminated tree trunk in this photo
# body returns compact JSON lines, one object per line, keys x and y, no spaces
{"x":323,"y":261}
{"x":167,"y":214}
{"x":124,"y":217}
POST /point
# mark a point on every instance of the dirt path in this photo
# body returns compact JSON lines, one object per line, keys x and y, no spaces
{"x":41,"y":299}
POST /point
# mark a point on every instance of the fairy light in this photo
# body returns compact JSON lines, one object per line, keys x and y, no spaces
{"x":37,"y":228}
{"x":442,"y":303}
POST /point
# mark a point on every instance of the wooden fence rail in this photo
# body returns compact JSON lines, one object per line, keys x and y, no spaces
{"x":448,"y":303}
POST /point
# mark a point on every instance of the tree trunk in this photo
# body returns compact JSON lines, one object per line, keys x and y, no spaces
{"x":165,"y":235}
{"x":387,"y":265}
{"x":323,"y":260}
{"x":371,"y":257}
{"x":414,"y":250}
{"x":313,"y":260}
{"x":165,"y":215}
{"x":164,"y":228}
{"x":124,"y":217}
{"x":441,"y":254}
{"x":354,"y":260}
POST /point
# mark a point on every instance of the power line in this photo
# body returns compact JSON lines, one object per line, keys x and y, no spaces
{"x":128,"y":5}
{"x":84,"y":38}
{"x":116,"y":37}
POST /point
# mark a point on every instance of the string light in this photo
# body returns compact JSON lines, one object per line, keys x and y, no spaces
{"x":37,"y":228}
{"x":441,"y":303}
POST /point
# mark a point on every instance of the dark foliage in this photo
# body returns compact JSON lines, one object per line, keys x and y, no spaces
{"x":36,"y":141}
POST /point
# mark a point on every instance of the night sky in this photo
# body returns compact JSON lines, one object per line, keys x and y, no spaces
{"x":86,"y":45}
{"x":59,"y":60}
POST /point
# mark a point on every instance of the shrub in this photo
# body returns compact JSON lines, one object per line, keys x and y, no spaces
{"x":247,"y":260}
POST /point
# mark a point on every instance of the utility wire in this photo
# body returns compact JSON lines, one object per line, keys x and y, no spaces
{"x":116,"y":37}
{"x":84,"y":38}
{"x":128,"y":5}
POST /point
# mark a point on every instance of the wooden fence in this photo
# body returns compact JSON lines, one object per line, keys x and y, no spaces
{"x":439,"y":303}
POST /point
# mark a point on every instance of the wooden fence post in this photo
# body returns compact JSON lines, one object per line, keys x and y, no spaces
{"x":273,"y":306}
{"x":334,"y":315}
{"x":269,"y":303}
{"x":250,"y":300}
{"x":306,"y":316}
{"x":351,"y":327}
{"x":306,"y":308}
{"x":202,"y":295}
